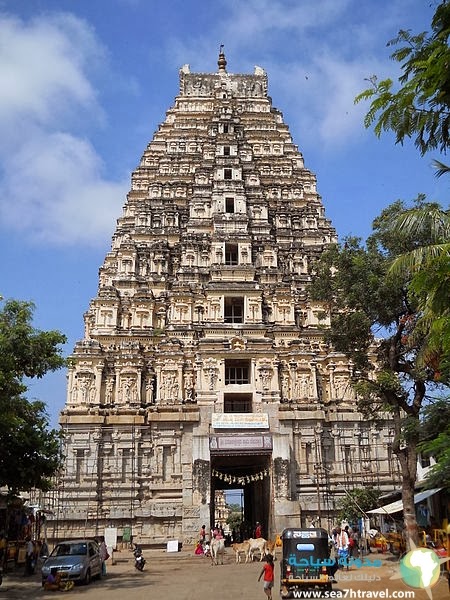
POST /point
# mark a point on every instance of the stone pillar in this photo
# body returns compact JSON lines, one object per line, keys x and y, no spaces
{"x":315,"y":392}
{"x":331,"y":369}
{"x":98,"y":372}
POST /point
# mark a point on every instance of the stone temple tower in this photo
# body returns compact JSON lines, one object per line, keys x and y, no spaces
{"x":203,"y":365}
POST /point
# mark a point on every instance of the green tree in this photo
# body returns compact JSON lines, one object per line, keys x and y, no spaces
{"x":357,"y":502}
{"x":420,"y":106}
{"x":373,"y":320}
{"x":235,"y":516}
{"x":435,"y":435}
{"x":30,"y":452}
{"x":428,"y":267}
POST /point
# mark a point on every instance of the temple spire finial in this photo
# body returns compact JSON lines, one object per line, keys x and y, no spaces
{"x":222,"y":60}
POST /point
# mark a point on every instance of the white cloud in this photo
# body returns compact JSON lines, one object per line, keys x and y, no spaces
{"x":317,"y":54}
{"x":254,"y":20}
{"x":54,"y":191}
{"x":42,"y":66}
{"x":52,"y":182}
{"x":52,"y":188}
{"x":320,"y":96}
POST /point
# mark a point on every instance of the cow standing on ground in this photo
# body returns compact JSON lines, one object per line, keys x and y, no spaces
{"x":271,"y":548}
{"x":217,"y":549}
{"x":239,"y":549}
{"x":257,"y":545}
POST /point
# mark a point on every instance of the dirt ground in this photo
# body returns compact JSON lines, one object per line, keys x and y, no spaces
{"x":184,"y":576}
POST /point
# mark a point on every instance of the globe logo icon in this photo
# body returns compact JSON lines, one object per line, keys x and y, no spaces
{"x":420,"y":568}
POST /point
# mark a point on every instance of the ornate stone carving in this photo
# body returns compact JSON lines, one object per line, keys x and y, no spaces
{"x":203,"y":307}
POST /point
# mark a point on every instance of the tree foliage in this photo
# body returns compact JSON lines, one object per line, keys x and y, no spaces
{"x":420,"y":106}
{"x":414,"y":351}
{"x":374,"y":320}
{"x":435,"y":436}
{"x":30,"y":452}
{"x":235,"y":516}
{"x":428,"y":266}
{"x":357,"y":502}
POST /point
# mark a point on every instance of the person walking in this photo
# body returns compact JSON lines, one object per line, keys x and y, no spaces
{"x":29,"y":557}
{"x":342,"y":547}
{"x":104,"y":555}
{"x":202,"y":534}
{"x":268,"y":572}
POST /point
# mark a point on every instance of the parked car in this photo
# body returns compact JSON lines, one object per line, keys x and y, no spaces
{"x":75,"y":560}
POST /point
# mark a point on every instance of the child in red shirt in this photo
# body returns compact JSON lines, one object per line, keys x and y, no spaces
{"x":268,"y":572}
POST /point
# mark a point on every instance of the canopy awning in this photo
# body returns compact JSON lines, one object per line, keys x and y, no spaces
{"x":397,"y":506}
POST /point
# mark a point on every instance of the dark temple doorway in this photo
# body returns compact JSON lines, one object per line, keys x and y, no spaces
{"x":251,"y":475}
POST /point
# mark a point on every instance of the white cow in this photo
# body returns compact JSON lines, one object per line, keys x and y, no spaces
{"x":217,"y":549}
{"x":256,"y":545}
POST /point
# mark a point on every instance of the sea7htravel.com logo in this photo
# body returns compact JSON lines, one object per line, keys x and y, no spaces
{"x":373,"y":594}
{"x":420,"y":568}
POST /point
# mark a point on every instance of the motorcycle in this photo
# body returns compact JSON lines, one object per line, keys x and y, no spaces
{"x":139,"y":560}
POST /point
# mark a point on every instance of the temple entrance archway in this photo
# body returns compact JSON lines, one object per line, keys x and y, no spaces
{"x":245,"y":467}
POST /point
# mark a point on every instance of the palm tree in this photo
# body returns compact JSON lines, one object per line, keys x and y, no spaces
{"x":428,"y":268}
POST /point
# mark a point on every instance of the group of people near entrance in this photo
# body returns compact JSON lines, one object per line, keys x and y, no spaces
{"x":217,"y":532}
{"x":344,"y":544}
{"x":203,"y":544}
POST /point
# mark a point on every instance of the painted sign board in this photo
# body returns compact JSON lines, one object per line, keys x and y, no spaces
{"x":240,"y":421}
{"x":241,"y":443}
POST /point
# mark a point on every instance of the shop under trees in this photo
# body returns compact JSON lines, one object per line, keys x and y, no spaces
{"x":376,"y":319}
{"x":30,"y":451}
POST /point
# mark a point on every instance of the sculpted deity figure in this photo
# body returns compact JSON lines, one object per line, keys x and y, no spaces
{"x":150,"y":389}
{"x":167,"y":387}
{"x":109,"y":391}
{"x":85,"y":384}
{"x":266,"y":377}
{"x":175,"y":390}
{"x":342,"y":388}
{"x":285,"y":386}
{"x":128,"y":390}
{"x":188,"y":387}
{"x":74,"y":392}
{"x":303,"y":384}
{"x":212,"y":375}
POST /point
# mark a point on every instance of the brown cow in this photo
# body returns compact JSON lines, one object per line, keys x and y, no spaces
{"x":271,"y":547}
{"x":241,"y":549}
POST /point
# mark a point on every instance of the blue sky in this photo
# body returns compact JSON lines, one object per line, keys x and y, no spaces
{"x":85,"y":84}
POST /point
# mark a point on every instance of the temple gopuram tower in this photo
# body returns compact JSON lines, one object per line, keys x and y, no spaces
{"x":203,"y":365}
